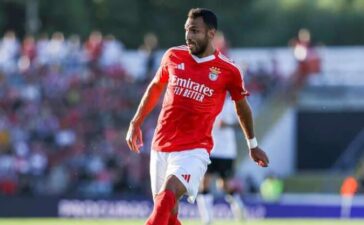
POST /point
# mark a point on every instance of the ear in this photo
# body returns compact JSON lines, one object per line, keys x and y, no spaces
{"x":211,"y":33}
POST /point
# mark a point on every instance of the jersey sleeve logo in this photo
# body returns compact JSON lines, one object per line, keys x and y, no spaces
{"x":186,"y":177}
{"x":214,"y":73}
{"x":181,"y":66}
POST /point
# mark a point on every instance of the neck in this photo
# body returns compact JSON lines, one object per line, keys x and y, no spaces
{"x":210,"y":50}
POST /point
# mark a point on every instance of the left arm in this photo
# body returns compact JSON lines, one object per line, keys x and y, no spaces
{"x":245,"y":118}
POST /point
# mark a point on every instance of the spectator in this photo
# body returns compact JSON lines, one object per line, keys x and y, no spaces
{"x":93,"y":48}
{"x":150,"y":48}
{"x":348,"y":190}
{"x":9,"y":52}
{"x":110,"y":59}
{"x":308,"y":59}
{"x":57,"y":49}
{"x":221,"y":43}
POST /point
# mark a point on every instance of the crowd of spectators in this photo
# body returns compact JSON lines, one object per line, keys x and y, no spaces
{"x":65,"y":105}
{"x":64,"y":109}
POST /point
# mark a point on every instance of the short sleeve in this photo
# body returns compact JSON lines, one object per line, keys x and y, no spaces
{"x":162,"y":72}
{"x":236,"y":86}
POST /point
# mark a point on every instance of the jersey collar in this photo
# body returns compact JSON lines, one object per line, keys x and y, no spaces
{"x":204,"y":59}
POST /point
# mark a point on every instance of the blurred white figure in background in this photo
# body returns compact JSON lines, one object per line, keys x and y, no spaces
{"x":75,"y":56}
{"x":57,"y":49}
{"x":223,"y":156}
{"x":9,"y":52}
{"x":42,"y":50}
{"x":150,"y":48}
{"x":111,"y":54}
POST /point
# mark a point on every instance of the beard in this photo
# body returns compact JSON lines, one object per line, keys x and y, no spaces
{"x":199,"y":47}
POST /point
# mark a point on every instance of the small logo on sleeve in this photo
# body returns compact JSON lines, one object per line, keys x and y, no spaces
{"x":186,"y":177}
{"x":181,"y":66}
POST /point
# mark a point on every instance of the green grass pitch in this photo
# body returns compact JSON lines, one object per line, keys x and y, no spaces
{"x":55,"y":221}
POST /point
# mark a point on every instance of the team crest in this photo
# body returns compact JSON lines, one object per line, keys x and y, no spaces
{"x":214,"y":73}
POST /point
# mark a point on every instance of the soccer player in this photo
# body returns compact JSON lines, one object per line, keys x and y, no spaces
{"x":196,"y":78}
{"x":222,"y":158}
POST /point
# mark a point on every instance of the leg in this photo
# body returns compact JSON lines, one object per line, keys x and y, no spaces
{"x":174,"y":184}
{"x":165,"y":207}
{"x":173,"y":219}
{"x":226,"y":175}
{"x":158,"y":166}
{"x":346,"y":202}
{"x":233,"y":198}
{"x":182,"y":174}
{"x":205,"y":200}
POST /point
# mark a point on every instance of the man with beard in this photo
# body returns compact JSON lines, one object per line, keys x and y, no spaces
{"x":197,"y":78}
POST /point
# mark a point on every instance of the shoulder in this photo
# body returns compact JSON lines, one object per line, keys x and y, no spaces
{"x":182,"y":49}
{"x":179,"y":48}
{"x":228,"y":63}
{"x":175,"y":51}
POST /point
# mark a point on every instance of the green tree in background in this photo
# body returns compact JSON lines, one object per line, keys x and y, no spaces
{"x":69,"y":16}
{"x":245,"y":22}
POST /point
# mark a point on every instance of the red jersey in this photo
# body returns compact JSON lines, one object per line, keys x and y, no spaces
{"x":195,"y":94}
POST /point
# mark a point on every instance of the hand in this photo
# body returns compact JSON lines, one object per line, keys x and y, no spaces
{"x":259,"y":156}
{"x":134,"y":138}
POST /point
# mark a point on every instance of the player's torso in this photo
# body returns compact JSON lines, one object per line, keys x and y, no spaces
{"x":195,"y":94}
{"x":197,"y":84}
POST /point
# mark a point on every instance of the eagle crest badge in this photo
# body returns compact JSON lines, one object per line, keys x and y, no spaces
{"x":214,"y":73}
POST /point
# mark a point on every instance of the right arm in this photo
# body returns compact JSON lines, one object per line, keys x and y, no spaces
{"x":150,"y":99}
{"x":245,"y":117}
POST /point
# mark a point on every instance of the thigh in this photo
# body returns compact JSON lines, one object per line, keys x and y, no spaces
{"x":158,"y":168}
{"x":225,"y":168}
{"x":214,"y":167}
{"x":189,"y":167}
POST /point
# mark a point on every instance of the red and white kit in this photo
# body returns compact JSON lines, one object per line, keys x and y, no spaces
{"x":195,"y":94}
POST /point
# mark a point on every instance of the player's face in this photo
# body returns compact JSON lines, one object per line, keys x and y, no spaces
{"x":197,"y":36}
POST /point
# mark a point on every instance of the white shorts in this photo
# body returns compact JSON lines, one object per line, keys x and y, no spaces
{"x":188,"y":166}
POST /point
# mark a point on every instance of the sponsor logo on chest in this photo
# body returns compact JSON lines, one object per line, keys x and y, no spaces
{"x":189,"y":88}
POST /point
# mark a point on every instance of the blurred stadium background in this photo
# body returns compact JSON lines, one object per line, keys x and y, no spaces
{"x":72,"y":73}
